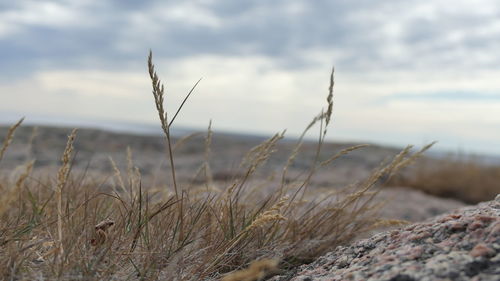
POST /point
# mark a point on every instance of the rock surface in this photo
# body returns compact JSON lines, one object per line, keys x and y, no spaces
{"x":413,"y":205}
{"x":461,"y":245}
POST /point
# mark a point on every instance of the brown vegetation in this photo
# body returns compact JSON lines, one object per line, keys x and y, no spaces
{"x":70,"y":228}
{"x":462,"y":178}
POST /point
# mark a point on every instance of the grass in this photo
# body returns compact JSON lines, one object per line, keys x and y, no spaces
{"x":70,"y":228}
{"x":459,"y":177}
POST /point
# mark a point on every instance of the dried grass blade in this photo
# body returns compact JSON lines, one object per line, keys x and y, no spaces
{"x":183,"y":102}
{"x":9,"y":137}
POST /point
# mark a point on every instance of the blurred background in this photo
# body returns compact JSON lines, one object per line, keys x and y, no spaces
{"x":406,"y":72}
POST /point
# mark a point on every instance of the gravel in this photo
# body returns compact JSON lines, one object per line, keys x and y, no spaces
{"x":461,"y":245}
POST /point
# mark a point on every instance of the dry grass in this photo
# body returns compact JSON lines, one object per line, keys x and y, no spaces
{"x":9,"y":137}
{"x":179,"y":233}
{"x":256,"y":271}
{"x":459,"y":177}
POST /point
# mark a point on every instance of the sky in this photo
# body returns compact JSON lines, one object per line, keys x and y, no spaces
{"x":406,"y":72}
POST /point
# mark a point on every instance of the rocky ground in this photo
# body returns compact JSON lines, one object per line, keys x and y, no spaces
{"x":95,"y":147}
{"x":461,"y":245}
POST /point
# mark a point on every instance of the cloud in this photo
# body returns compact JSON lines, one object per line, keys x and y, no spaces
{"x":254,"y":93}
{"x":457,"y":95}
{"x":383,"y":34}
{"x":52,"y":14}
{"x":395,"y":61}
{"x":256,"y":84}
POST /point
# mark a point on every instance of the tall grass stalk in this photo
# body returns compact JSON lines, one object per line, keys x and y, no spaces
{"x":62,"y":177}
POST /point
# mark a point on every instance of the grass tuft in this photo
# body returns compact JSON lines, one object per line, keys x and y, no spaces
{"x":81,"y":230}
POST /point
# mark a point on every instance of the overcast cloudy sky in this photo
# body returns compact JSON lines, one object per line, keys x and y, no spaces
{"x":406,"y":71}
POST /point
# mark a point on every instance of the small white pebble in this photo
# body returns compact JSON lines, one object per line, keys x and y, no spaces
{"x":497,"y":198}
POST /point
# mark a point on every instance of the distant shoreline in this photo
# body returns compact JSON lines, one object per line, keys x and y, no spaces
{"x":145,"y":129}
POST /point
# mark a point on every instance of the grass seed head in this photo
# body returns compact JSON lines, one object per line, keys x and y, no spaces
{"x":256,"y":271}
